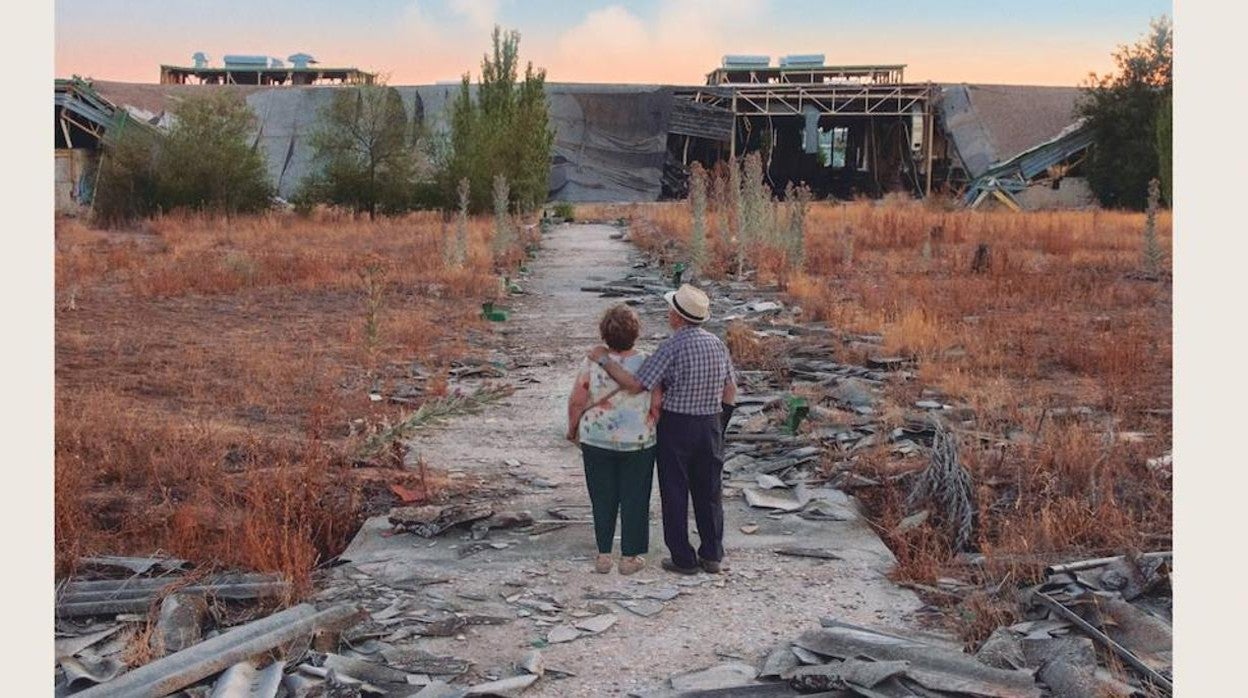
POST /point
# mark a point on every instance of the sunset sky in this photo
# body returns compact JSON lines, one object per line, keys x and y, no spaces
{"x":653,"y":41}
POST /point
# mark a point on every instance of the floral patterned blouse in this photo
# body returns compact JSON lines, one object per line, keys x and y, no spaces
{"x":622,"y":423}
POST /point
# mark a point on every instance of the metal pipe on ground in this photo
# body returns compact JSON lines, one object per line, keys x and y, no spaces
{"x":103,"y":604}
{"x":1100,"y":562}
{"x":1095,"y":633}
{"x":73,"y":587}
{"x":181,"y":669}
{"x":236,"y":591}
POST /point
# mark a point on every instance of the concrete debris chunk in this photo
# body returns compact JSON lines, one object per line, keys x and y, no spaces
{"x":911,"y":522}
{"x":364,"y":670}
{"x":179,"y":623}
{"x":503,"y":688}
{"x":597,"y":624}
{"x":1003,"y":650}
{"x":644,"y":608}
{"x":532,"y":663}
{"x":779,"y":661}
{"x":430,"y":520}
{"x":719,"y":676}
{"x":418,"y":661}
{"x":770,"y":482}
{"x":768,"y":499}
{"x":562,"y":633}
{"x":665,"y":593}
{"x":441,"y":689}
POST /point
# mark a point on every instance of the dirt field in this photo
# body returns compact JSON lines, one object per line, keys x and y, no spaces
{"x":213,"y":378}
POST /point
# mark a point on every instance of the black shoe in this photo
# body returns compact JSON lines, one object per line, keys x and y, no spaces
{"x":671,"y":566}
{"x":710,"y":566}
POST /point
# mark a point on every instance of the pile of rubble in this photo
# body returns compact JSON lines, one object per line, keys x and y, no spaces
{"x":1093,"y":628}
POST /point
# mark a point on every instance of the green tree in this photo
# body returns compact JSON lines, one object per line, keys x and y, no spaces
{"x":504,"y":129}
{"x":209,"y":160}
{"x":364,"y":149}
{"x":125,"y":185}
{"x":1123,"y":111}
{"x":1165,"y":142}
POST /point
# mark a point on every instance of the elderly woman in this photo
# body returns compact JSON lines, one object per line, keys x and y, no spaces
{"x":616,"y":432}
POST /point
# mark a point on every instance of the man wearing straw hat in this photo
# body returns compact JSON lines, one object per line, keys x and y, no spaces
{"x":695,"y":371}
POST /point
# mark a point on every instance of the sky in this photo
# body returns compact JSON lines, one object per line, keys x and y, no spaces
{"x":651,"y":41}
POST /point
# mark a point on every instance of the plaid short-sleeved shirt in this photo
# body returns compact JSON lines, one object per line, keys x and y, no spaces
{"x":692,"y":366}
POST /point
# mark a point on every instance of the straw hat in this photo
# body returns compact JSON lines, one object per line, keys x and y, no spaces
{"x":690,"y":303}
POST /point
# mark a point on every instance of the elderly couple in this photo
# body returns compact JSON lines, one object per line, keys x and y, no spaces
{"x":626,"y":408}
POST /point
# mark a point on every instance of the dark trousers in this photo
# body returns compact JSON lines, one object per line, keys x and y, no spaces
{"x":691,"y":465}
{"x":619,"y":484}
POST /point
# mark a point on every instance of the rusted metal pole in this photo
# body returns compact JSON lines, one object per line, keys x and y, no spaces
{"x":929,"y":135}
{"x":181,"y":669}
{"x":732,"y":143}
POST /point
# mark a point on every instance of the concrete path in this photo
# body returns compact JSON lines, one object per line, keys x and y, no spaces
{"x":736,"y":616}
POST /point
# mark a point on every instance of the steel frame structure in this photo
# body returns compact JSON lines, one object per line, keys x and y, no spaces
{"x":842,"y":74}
{"x":829,"y":99}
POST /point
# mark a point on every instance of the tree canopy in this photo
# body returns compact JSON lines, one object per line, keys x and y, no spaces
{"x":207,"y":161}
{"x":365,"y":152}
{"x":1129,"y":115}
{"x":503,"y":130}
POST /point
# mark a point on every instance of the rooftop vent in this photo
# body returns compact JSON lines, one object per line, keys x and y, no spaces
{"x":802,"y":60}
{"x":300,"y":60}
{"x":246,"y":61}
{"x":739,"y":61}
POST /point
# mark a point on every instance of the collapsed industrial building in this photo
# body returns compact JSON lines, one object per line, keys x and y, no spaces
{"x":845,"y":131}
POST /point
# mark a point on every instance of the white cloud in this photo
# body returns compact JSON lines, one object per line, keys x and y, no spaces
{"x":481,"y":13}
{"x":609,"y":34}
{"x":684,"y":40}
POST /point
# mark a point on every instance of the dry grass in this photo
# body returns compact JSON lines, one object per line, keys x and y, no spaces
{"x":212,"y":378}
{"x":1058,"y":318}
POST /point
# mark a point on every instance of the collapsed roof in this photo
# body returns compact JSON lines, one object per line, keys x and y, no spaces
{"x":611,"y":140}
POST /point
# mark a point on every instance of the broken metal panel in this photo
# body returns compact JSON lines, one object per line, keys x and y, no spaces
{"x":935,"y":668}
{"x":244,"y":680}
{"x":699,"y":120}
{"x":209,"y":657}
{"x":1016,"y":174}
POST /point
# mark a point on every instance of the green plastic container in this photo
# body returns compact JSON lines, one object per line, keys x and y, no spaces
{"x":798,"y":411}
{"x":489,"y":312}
{"x":678,"y":270}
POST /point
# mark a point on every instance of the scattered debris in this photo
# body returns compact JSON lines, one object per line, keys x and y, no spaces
{"x":136,"y":594}
{"x":562,"y":633}
{"x":820,"y":553}
{"x":597,"y":624}
{"x":200,"y":661}
{"x":430,"y":520}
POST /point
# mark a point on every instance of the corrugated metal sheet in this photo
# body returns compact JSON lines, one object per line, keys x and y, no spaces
{"x":691,"y":118}
{"x":990,"y":124}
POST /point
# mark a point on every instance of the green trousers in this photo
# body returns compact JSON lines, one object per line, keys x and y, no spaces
{"x":619,"y":485}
